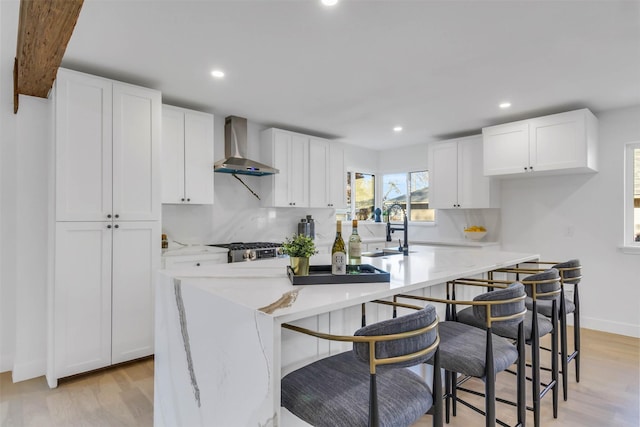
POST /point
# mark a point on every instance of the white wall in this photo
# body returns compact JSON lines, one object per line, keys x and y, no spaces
{"x":26,"y":139}
{"x":8,"y":189}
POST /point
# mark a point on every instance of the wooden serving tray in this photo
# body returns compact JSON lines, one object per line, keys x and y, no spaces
{"x":321,"y":275}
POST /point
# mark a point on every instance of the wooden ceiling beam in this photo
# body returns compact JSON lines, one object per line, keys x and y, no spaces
{"x":44,"y":30}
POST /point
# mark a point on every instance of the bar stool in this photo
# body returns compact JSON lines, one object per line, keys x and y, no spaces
{"x":570,"y":274}
{"x":540,"y":286}
{"x":476,"y":352}
{"x":368,"y":385}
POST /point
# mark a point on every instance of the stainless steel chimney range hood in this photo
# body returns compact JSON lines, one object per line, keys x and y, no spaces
{"x":235,"y":151}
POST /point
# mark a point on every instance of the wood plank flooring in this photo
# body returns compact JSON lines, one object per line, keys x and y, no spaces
{"x":608,"y":394}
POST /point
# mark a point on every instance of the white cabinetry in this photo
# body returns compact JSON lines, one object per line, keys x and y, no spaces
{"x":107,"y":149}
{"x":327,"y":183}
{"x":456,"y":175}
{"x":107,"y":230}
{"x":559,"y":143}
{"x":288,"y":152}
{"x":191,"y":261}
{"x":187,"y":156}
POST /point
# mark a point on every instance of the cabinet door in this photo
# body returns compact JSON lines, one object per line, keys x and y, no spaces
{"x":558,"y":141}
{"x":198,"y":155}
{"x":281,"y":144}
{"x":473,"y":187}
{"x":506,"y":149}
{"x":136,"y":153}
{"x":172,"y":155}
{"x":299,"y":171}
{"x":83,"y":147}
{"x":82,"y":297}
{"x":337,"y":176}
{"x":136,"y":259}
{"x":443,"y":174}
{"x":319,"y":173}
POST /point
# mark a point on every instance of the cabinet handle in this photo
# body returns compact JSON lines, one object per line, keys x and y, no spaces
{"x":182,"y":199}
{"x":531,"y":168}
{"x":526,"y":168}
{"x":198,"y":264}
{"x":108,"y":215}
{"x":188,"y":200}
{"x":109,"y":226}
{"x":116,"y":226}
{"x":117,"y":216}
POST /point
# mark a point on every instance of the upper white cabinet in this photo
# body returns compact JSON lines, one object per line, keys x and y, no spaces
{"x":326,"y":174}
{"x":456,"y":176}
{"x":187,"y":156}
{"x":107,"y":149}
{"x":565,"y":142}
{"x":288,"y":152}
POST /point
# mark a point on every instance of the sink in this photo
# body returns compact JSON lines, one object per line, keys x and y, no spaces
{"x":384,"y":252}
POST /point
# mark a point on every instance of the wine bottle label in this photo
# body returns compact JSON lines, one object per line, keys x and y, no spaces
{"x":355,"y":250}
{"x":338,"y":263}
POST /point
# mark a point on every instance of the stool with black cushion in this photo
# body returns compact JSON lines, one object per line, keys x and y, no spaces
{"x":477,"y":352}
{"x":570,"y":274}
{"x":540,"y":286}
{"x":369,"y":386}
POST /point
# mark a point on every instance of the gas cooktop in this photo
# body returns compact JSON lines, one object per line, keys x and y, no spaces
{"x":251,"y":251}
{"x":235,"y":246}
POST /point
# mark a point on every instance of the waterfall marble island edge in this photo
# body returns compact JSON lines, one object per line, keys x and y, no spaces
{"x":219,"y":348}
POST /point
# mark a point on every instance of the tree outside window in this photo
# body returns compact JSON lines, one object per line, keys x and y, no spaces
{"x":411,"y":192}
{"x":361,"y":195}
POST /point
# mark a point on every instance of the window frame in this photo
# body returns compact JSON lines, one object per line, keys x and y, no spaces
{"x":350,"y":211}
{"x":407,"y":174}
{"x":628,"y":196}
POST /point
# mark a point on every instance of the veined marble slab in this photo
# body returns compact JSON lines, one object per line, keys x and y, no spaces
{"x":218,"y":336}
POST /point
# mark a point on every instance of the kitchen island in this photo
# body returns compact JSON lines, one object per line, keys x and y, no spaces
{"x":219,"y":348}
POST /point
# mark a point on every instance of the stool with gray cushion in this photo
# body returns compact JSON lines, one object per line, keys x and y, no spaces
{"x":477,"y":352}
{"x":369,"y":386}
{"x":570,"y":274}
{"x":540,"y":286}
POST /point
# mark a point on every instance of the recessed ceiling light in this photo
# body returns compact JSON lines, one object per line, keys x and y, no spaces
{"x":398,"y":129}
{"x":505,"y":105}
{"x":329,"y":2}
{"x":217,"y":73}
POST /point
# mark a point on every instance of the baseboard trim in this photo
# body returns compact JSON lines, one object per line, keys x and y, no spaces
{"x":27,"y":371}
{"x":610,"y":326}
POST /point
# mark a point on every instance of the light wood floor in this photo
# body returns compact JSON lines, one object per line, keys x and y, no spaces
{"x":608,"y":394}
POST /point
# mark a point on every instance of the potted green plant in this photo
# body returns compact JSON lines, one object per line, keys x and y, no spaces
{"x":299,"y":248}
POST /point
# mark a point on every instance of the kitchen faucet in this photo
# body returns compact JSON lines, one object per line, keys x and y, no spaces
{"x":405,"y":227}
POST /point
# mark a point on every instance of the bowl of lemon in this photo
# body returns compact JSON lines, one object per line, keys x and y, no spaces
{"x":475,"y":232}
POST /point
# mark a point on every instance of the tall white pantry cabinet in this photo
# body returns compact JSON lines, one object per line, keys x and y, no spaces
{"x":106,"y":243}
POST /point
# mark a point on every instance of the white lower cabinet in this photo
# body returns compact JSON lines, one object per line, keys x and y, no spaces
{"x":103,"y":294}
{"x":191,"y":261}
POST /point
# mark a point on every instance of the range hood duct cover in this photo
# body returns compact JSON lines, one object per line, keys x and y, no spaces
{"x":235,"y":151}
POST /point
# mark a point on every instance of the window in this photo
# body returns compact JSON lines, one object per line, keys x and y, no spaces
{"x":361,"y":195}
{"x":409,"y":191}
{"x":632,"y":195}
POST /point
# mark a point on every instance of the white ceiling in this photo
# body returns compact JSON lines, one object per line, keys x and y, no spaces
{"x":353,"y":72}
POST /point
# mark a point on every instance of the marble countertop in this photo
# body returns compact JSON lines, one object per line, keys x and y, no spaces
{"x":264,"y":285}
{"x":193,"y":250}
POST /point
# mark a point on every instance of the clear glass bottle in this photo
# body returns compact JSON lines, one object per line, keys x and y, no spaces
{"x":338,"y":253}
{"x":355,"y":248}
